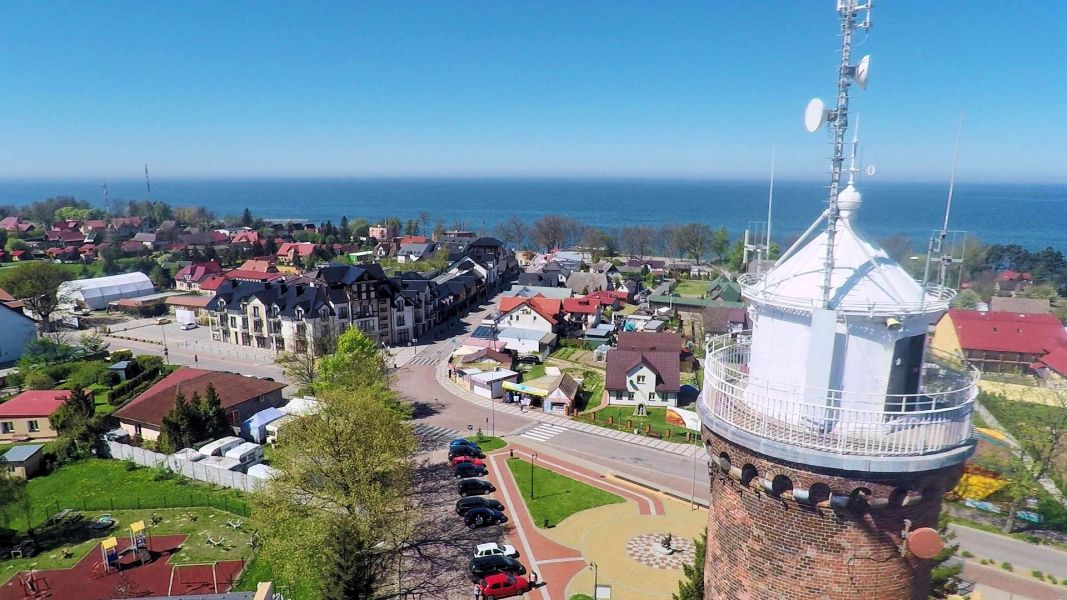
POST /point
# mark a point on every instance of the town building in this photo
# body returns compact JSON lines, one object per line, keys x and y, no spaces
{"x":25,"y":416}
{"x":1000,"y":342}
{"x":241,"y":397}
{"x":24,"y":461}
{"x":648,"y":377}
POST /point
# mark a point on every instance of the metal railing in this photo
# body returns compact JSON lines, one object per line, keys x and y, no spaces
{"x":936,"y":419}
{"x":937,"y":298}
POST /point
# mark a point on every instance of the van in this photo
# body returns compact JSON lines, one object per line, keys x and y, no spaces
{"x":220,"y":446}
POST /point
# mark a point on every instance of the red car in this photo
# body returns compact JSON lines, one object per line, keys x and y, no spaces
{"x":468,"y":459}
{"x":503,"y":585}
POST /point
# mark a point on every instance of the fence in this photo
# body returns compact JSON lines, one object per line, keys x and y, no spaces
{"x":185,"y":468}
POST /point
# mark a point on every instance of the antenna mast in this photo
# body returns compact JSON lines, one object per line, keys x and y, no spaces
{"x":107,"y":200}
{"x":937,"y":241}
{"x":816,"y":115}
{"x":770,"y":202}
{"x":147,"y":183}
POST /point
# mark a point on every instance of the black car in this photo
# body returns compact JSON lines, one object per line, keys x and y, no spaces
{"x":475,"y":487}
{"x":530,"y":359}
{"x":470,"y":470}
{"x":465,"y":504}
{"x":461,"y":442}
{"x":479,"y":517}
{"x":487,"y":565}
{"x":465,"y":451}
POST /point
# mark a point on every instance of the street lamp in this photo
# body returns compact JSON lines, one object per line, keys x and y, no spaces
{"x":595,"y":574}
{"x":533,"y":457}
{"x":166,"y":353}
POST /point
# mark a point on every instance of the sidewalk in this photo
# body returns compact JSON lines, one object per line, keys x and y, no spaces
{"x":687,"y":450}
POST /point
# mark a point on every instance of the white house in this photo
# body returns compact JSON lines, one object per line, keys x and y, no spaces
{"x":490,"y":384}
{"x":535,"y":314}
{"x":649,"y":377}
{"x":526,"y":341}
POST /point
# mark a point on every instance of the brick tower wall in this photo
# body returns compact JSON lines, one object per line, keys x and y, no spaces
{"x":762,"y":546}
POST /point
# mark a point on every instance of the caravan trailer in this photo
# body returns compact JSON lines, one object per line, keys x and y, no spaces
{"x":247,"y":454}
{"x":220,"y":446}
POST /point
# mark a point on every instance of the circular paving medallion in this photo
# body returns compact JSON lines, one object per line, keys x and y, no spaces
{"x":647,"y":549}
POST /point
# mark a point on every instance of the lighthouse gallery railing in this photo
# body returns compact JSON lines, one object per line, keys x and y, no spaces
{"x":938,"y":418}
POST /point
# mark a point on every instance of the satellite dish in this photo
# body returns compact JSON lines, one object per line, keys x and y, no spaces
{"x":925,"y":542}
{"x":863,"y":71}
{"x":814,"y":115}
{"x":870,"y":170}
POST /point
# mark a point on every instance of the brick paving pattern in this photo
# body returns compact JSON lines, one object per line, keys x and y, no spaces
{"x":646,"y":549}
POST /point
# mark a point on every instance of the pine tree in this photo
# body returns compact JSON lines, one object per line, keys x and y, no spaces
{"x":344,"y":232}
{"x":170,"y":435}
{"x":212,"y":415}
{"x":81,"y":402}
{"x":350,"y":565}
{"x":183,"y":423}
{"x":691,"y":587}
{"x":196,"y":432}
{"x":944,"y":577}
{"x":246,"y":218}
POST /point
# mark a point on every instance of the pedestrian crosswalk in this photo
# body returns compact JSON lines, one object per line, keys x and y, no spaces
{"x":434,"y":433}
{"x":543,"y":432}
{"x":424,"y":360}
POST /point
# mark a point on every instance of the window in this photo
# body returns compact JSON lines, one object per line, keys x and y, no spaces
{"x":342,"y":312}
{"x":255,"y":312}
{"x":33,"y":426}
{"x":630,"y":395}
{"x":7,"y":427}
{"x":137,"y":430}
{"x":400,"y":320}
{"x":233,"y":322}
{"x":652,"y":395}
{"x":640,"y":379}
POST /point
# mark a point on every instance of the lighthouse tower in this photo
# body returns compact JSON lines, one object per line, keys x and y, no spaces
{"x":832,"y":430}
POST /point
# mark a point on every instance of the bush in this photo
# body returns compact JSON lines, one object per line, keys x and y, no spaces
{"x":38,"y":380}
{"x":85,"y":374}
{"x":130,"y":465}
{"x":1037,"y":574}
{"x":967,"y":554}
{"x":147,"y":362}
{"x":1007,"y":566}
{"x":108,"y":378}
{"x":118,"y":355}
{"x":1052,"y":579}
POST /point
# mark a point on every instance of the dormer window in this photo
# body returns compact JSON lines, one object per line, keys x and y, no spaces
{"x":299,"y":314}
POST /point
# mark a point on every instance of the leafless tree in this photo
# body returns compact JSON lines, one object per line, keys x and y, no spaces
{"x":513,"y":231}
{"x":553,"y":231}
{"x":693,"y":239}
{"x":639,"y":240}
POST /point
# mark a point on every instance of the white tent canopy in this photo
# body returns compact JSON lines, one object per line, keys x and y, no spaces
{"x":98,"y":292}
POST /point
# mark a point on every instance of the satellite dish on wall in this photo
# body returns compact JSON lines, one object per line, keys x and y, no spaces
{"x":863,"y":71}
{"x":814,"y":115}
{"x":925,"y":542}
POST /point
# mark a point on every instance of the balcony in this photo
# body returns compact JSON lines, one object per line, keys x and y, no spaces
{"x":937,"y":298}
{"x":935,"y":420}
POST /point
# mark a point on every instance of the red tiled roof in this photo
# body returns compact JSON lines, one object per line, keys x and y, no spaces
{"x":664,"y":364}
{"x":150,"y":407}
{"x":662,"y":341}
{"x":248,"y":237}
{"x":211,"y":283}
{"x":34,"y":403}
{"x":246,"y":275}
{"x":608,"y":297}
{"x":546,"y":307}
{"x":1007,"y":332}
{"x":132,"y":246}
{"x":197,"y":271}
{"x":188,"y":301}
{"x":1010,"y":275}
{"x":262,"y":265}
{"x":10,"y":223}
{"x":583,"y":306}
{"x":301,"y":249}
{"x":1056,"y":360}
{"x":64,"y":236}
{"x":414,"y":239}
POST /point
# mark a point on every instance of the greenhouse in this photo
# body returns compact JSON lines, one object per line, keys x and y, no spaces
{"x":97,"y":292}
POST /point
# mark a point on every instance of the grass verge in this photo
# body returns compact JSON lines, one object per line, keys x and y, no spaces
{"x":488,"y":443}
{"x":656,"y":419}
{"x":554,"y":497}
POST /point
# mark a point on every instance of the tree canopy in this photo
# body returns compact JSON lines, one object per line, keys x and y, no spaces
{"x":36,"y":284}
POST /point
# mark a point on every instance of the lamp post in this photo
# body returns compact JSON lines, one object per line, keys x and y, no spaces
{"x":166,"y":352}
{"x":595,"y":574}
{"x":533,"y":457}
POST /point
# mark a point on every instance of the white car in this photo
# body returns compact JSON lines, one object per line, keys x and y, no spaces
{"x":494,"y":549}
{"x":188,"y":326}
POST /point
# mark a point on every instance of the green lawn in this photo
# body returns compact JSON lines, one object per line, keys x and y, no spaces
{"x":657,"y":418}
{"x":534,"y":372}
{"x":488,"y":443}
{"x":563,"y":352}
{"x":257,"y":569}
{"x":198,"y":523}
{"x":108,"y":485}
{"x":555,"y":497}
{"x":691,"y":288}
{"x":592,"y":387}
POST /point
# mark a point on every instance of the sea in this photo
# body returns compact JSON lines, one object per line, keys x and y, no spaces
{"x":1033,"y":216}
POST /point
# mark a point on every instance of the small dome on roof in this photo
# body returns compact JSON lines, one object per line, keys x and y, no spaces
{"x":848,"y":200}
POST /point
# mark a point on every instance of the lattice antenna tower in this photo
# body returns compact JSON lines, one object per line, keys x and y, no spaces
{"x":943,"y":243}
{"x":817,"y":114}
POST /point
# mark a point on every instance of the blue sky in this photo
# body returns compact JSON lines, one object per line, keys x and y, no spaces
{"x":612,"y":89}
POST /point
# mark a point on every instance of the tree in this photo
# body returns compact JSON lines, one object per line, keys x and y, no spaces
{"x":13,"y":499}
{"x":693,"y":239}
{"x":736,"y":258}
{"x":944,"y":577}
{"x":638,"y":240}
{"x":720,"y":242}
{"x":552,"y":231}
{"x":160,"y":277}
{"x":301,"y":366}
{"x":691,"y":587}
{"x":36,"y":284}
{"x":338,"y":501}
{"x":212,"y":417}
{"x":344,"y":232}
{"x":513,"y":231}
{"x":38,"y":380}
{"x":668,"y":242}
{"x":411,"y":227}
{"x":246,"y":218}
{"x":600,"y":243}
{"x":1043,"y":291}
{"x":967,"y":300}
{"x":74,"y":424}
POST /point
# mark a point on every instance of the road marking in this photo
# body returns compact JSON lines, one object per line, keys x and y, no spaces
{"x":544,"y":432}
{"x":562,"y":560}
{"x":534,"y":565}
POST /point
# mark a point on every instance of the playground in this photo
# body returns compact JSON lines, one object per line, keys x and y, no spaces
{"x":139,"y":553}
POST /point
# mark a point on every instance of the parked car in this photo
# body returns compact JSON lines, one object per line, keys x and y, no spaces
{"x":469,"y":470}
{"x":468,"y":459}
{"x":502,"y":585}
{"x":480,"y":517}
{"x":465,"y":504}
{"x":475,"y":487}
{"x":188,"y":326}
{"x":495,"y":549}
{"x":465,"y":451}
{"x":162,"y":321}
{"x":530,"y":359}
{"x":483,"y":566}
{"x":461,"y":442}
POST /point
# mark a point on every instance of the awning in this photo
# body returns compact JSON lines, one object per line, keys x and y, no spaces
{"x":525,"y":389}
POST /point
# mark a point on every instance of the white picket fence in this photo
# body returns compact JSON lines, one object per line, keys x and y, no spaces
{"x":192,"y":470}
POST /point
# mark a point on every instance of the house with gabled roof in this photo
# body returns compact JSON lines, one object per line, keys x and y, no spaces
{"x":581,"y":314}
{"x":191,"y":275}
{"x":1001,"y":342}
{"x":537,"y":313}
{"x":649,"y":377}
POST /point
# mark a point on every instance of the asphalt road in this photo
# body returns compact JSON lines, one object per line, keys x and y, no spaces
{"x":1023,"y":556}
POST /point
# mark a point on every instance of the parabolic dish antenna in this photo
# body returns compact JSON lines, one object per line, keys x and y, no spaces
{"x":925,"y":542}
{"x":814,"y":115}
{"x":863,"y":70}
